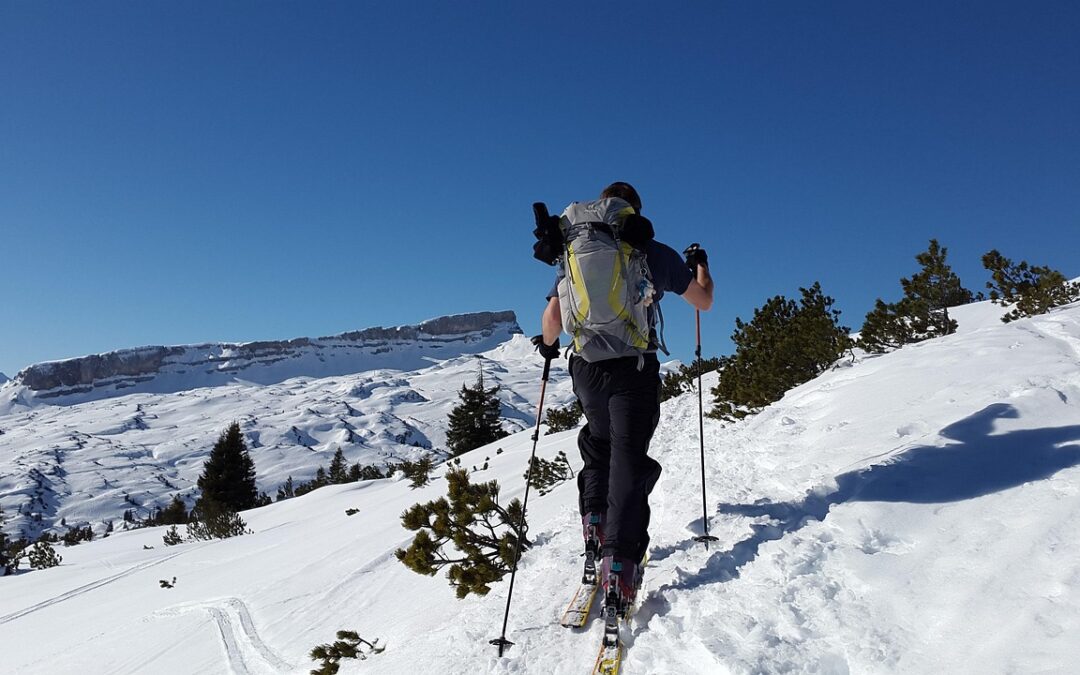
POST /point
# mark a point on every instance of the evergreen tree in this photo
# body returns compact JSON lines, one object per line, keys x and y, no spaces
{"x":214,"y":520}
{"x":286,"y":491}
{"x":44,"y":556}
{"x":467,"y":530}
{"x":173,"y":514}
{"x":787,"y":343}
{"x":1031,"y":289}
{"x":923,"y":312}
{"x":563,"y":419}
{"x":475,"y":421}
{"x":546,"y":474}
{"x":5,"y":558}
{"x":685,"y":378}
{"x":418,"y":472}
{"x":348,"y":645}
{"x":338,"y":468}
{"x":172,"y":537}
{"x":228,"y":476}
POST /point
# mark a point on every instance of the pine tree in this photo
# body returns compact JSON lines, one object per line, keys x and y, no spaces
{"x":339,"y":472}
{"x":468,"y":530}
{"x":214,"y":520}
{"x":44,"y":556}
{"x":787,"y":343}
{"x":172,"y":537}
{"x":475,"y":421}
{"x":546,"y":474}
{"x":563,"y":419}
{"x":286,"y":491}
{"x":5,"y":560}
{"x":173,"y":514}
{"x":1031,"y":289}
{"x":228,"y":476}
{"x":685,"y":378}
{"x":348,"y":645}
{"x":923,"y":312}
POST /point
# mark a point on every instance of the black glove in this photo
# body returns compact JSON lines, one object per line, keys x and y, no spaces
{"x":549,"y":243}
{"x":549,"y":352}
{"x":695,"y":255}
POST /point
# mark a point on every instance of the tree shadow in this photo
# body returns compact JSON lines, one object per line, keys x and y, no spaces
{"x":977,"y":464}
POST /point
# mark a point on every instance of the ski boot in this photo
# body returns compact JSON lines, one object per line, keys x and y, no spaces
{"x":621,"y":579}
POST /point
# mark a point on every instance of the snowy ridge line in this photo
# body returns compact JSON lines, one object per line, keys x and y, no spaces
{"x":81,"y":590}
{"x":166,"y":369}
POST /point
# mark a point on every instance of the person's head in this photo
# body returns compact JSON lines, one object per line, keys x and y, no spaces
{"x":625,"y":192}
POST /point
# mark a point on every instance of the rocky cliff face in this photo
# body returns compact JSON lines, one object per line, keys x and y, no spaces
{"x":161,"y":369}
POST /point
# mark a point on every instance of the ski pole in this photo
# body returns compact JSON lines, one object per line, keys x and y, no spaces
{"x":501,"y":642}
{"x":705,"y":538}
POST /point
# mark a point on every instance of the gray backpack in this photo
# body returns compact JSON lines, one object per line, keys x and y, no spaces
{"x":606,"y":288}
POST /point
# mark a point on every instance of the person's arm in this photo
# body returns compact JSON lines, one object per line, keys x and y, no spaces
{"x":551,"y":321}
{"x":700,"y":291}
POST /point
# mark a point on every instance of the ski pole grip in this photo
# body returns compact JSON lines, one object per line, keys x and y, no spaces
{"x":547,"y":370}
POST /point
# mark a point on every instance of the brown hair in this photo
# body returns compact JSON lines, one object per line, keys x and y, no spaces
{"x":625,"y":192}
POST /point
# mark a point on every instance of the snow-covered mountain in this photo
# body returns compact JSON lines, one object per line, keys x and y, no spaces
{"x":162,"y":369}
{"x":913,"y":512}
{"x":84,"y":440}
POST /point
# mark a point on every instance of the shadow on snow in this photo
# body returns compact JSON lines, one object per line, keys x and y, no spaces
{"x":978,"y":463}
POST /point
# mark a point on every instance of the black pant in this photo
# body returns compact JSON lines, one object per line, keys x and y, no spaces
{"x":622,"y":406}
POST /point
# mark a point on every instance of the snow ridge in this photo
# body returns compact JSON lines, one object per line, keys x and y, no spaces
{"x":171,"y":369}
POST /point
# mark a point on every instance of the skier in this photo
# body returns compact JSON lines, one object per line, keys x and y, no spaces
{"x":619,"y":388}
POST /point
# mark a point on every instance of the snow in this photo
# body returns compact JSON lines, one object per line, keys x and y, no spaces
{"x":89,"y":462}
{"x":913,"y":512}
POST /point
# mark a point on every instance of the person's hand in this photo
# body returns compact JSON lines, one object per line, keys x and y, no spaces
{"x":695,"y":255}
{"x":549,"y":352}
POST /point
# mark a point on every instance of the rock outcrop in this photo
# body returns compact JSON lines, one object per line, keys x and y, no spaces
{"x":161,"y":369}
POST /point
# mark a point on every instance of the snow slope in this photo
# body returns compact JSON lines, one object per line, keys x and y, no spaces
{"x":87,"y":462}
{"x":914,"y":512}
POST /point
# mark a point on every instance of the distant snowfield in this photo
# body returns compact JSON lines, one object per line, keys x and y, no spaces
{"x":914,"y":512}
{"x":89,"y":462}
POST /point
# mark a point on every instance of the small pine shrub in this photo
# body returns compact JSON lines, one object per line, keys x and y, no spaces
{"x":467,"y":531}
{"x":172,"y":537}
{"x":43,"y":556}
{"x":1030,"y":289}
{"x":77,"y":535}
{"x":563,"y":419}
{"x":546,"y":474}
{"x":213,"y":520}
{"x":923,"y":312}
{"x":348,"y":645}
{"x":785,"y":344}
{"x":418,"y":472}
{"x":685,"y":378}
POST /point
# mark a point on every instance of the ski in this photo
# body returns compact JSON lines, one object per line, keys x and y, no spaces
{"x":609,"y":658}
{"x":577,"y":612}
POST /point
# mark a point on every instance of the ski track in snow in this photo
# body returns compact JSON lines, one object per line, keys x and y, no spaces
{"x":82,"y":590}
{"x":244,"y":648}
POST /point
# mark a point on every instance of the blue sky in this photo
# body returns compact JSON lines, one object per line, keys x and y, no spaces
{"x":175,"y":172}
